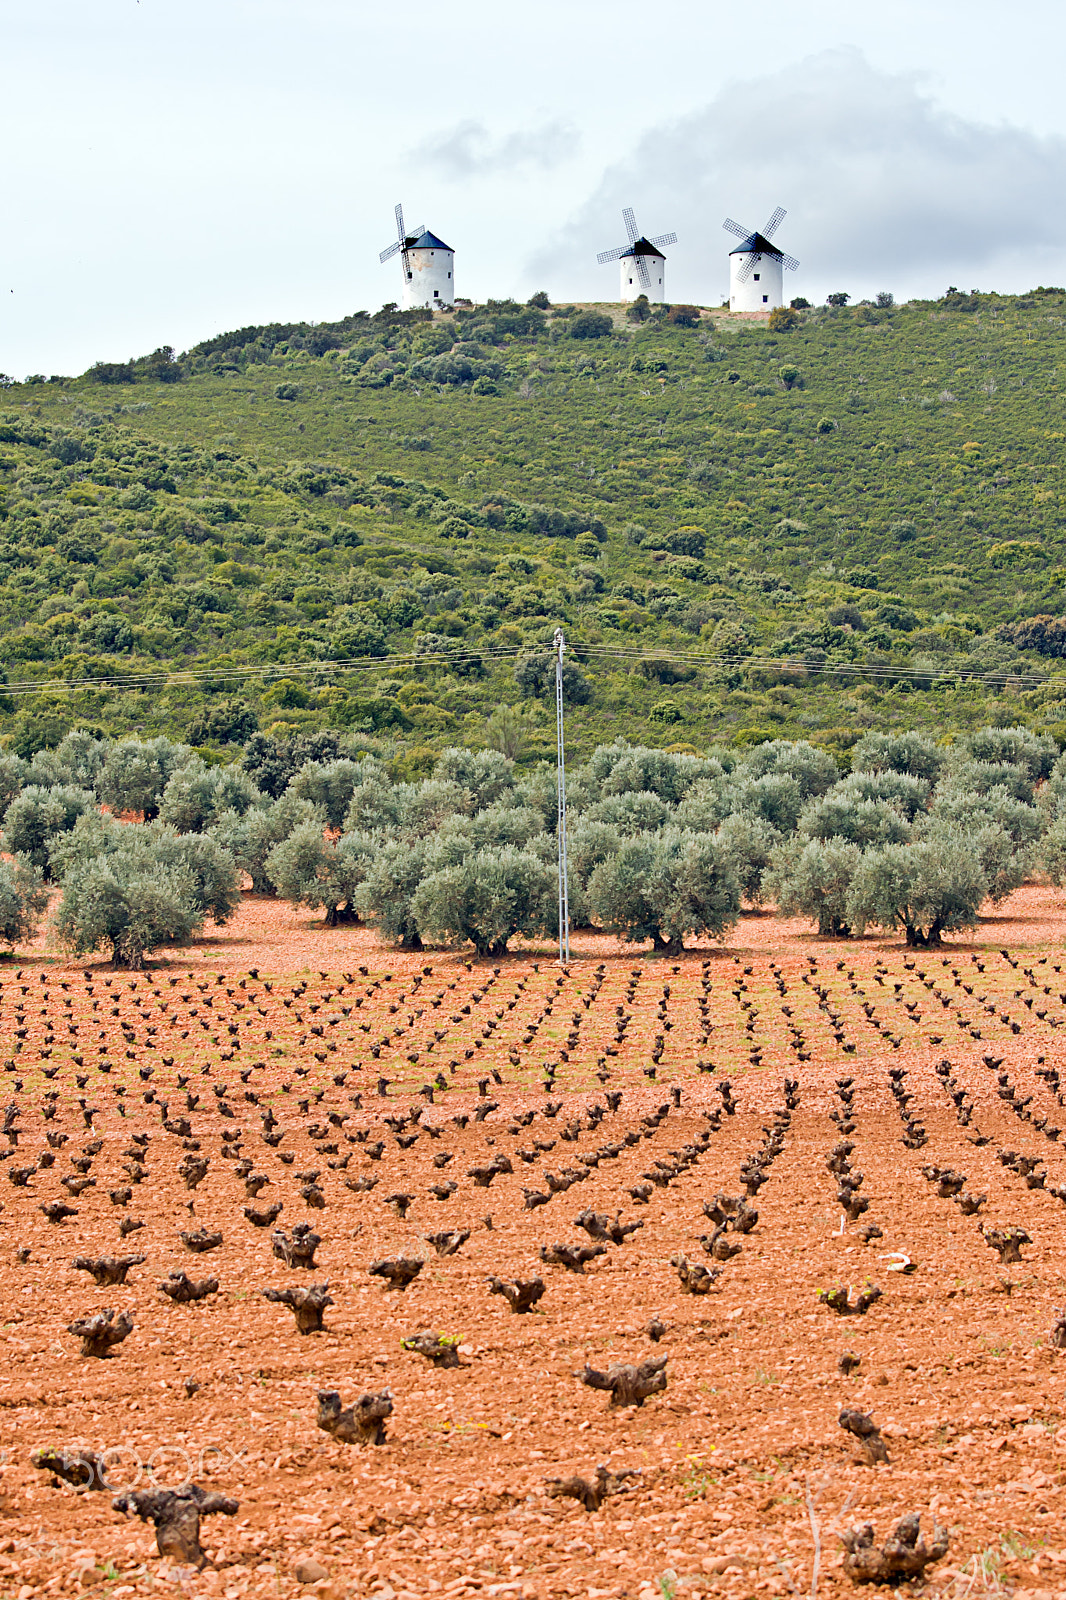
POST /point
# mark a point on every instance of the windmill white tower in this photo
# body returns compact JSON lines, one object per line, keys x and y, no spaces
{"x":755,"y":266}
{"x":428,"y":267}
{"x":643,"y":265}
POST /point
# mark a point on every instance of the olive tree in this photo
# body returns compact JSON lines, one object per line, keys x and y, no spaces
{"x":813,"y":879}
{"x":197,"y":795}
{"x":23,"y":899}
{"x":129,"y":901}
{"x":748,"y":843}
{"x":486,"y":774}
{"x":136,"y":772}
{"x":660,"y":887}
{"x":35,"y":819}
{"x":927,"y":888}
{"x":250,"y":838}
{"x":916,"y":754}
{"x":1018,"y":747}
{"x":812,"y":769}
{"x":839,"y":815}
{"x":329,"y":785}
{"x":488,"y":898}
{"x":385,"y":896}
{"x":310,"y":870}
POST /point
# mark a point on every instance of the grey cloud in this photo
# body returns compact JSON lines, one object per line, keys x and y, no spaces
{"x":884,"y":187}
{"x":470,"y":150}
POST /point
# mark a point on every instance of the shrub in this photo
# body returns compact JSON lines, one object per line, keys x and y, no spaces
{"x":589,"y":325}
{"x":783,"y":318}
{"x":539,"y":300}
{"x":640,"y":310}
{"x":683,"y":316}
{"x":488,"y":899}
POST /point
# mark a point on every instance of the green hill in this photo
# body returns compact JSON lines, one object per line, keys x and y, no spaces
{"x":873,"y":494}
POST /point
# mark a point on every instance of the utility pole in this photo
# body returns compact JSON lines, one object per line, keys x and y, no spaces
{"x":564,"y":891}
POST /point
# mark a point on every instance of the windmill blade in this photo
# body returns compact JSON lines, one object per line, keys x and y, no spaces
{"x":400,"y":233}
{"x":789,"y":263}
{"x":642,"y":272}
{"x":748,"y":268}
{"x":416,"y":233}
{"x":387,"y":255}
{"x":664,"y":238}
{"x":734,"y":227}
{"x":630,"y":220}
{"x":774,"y":223}
{"x":611,"y":255}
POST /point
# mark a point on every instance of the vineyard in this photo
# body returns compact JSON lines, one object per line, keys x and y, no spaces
{"x":652,"y":1277}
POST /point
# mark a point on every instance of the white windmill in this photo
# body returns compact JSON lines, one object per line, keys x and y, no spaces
{"x":643,"y":265}
{"x":755,"y":266}
{"x":428,"y":266}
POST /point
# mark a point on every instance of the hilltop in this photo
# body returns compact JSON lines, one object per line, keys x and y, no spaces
{"x":875,"y":488}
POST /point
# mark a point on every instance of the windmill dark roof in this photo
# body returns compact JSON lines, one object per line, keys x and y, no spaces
{"x":428,"y":241}
{"x":641,"y":247}
{"x":755,"y":244}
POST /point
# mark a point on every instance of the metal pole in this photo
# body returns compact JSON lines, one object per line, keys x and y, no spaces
{"x":564,"y":891}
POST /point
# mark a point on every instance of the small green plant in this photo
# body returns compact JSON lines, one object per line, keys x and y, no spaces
{"x":668,"y":1585}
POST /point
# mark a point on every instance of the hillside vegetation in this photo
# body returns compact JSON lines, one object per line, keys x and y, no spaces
{"x":874,"y":489}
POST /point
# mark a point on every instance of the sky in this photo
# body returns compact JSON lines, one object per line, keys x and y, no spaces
{"x":176,"y":168}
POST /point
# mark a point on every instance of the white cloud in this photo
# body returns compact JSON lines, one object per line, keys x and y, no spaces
{"x":469,"y":150}
{"x":884,"y":188}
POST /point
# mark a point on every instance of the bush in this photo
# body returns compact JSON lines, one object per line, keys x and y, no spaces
{"x":227,"y":722}
{"x":640,"y":310}
{"x":664,"y":886}
{"x":783,"y":319}
{"x":23,"y":899}
{"x":590,"y":325}
{"x":534,"y":674}
{"x":539,"y":300}
{"x":488,"y":899}
{"x":683,"y":316}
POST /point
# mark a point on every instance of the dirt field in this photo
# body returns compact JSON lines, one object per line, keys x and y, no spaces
{"x":632,"y":1088}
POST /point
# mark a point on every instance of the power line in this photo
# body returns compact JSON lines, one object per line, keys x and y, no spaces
{"x":799,"y":665}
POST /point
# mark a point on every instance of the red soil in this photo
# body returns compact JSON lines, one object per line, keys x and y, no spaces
{"x":741,"y":1457}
